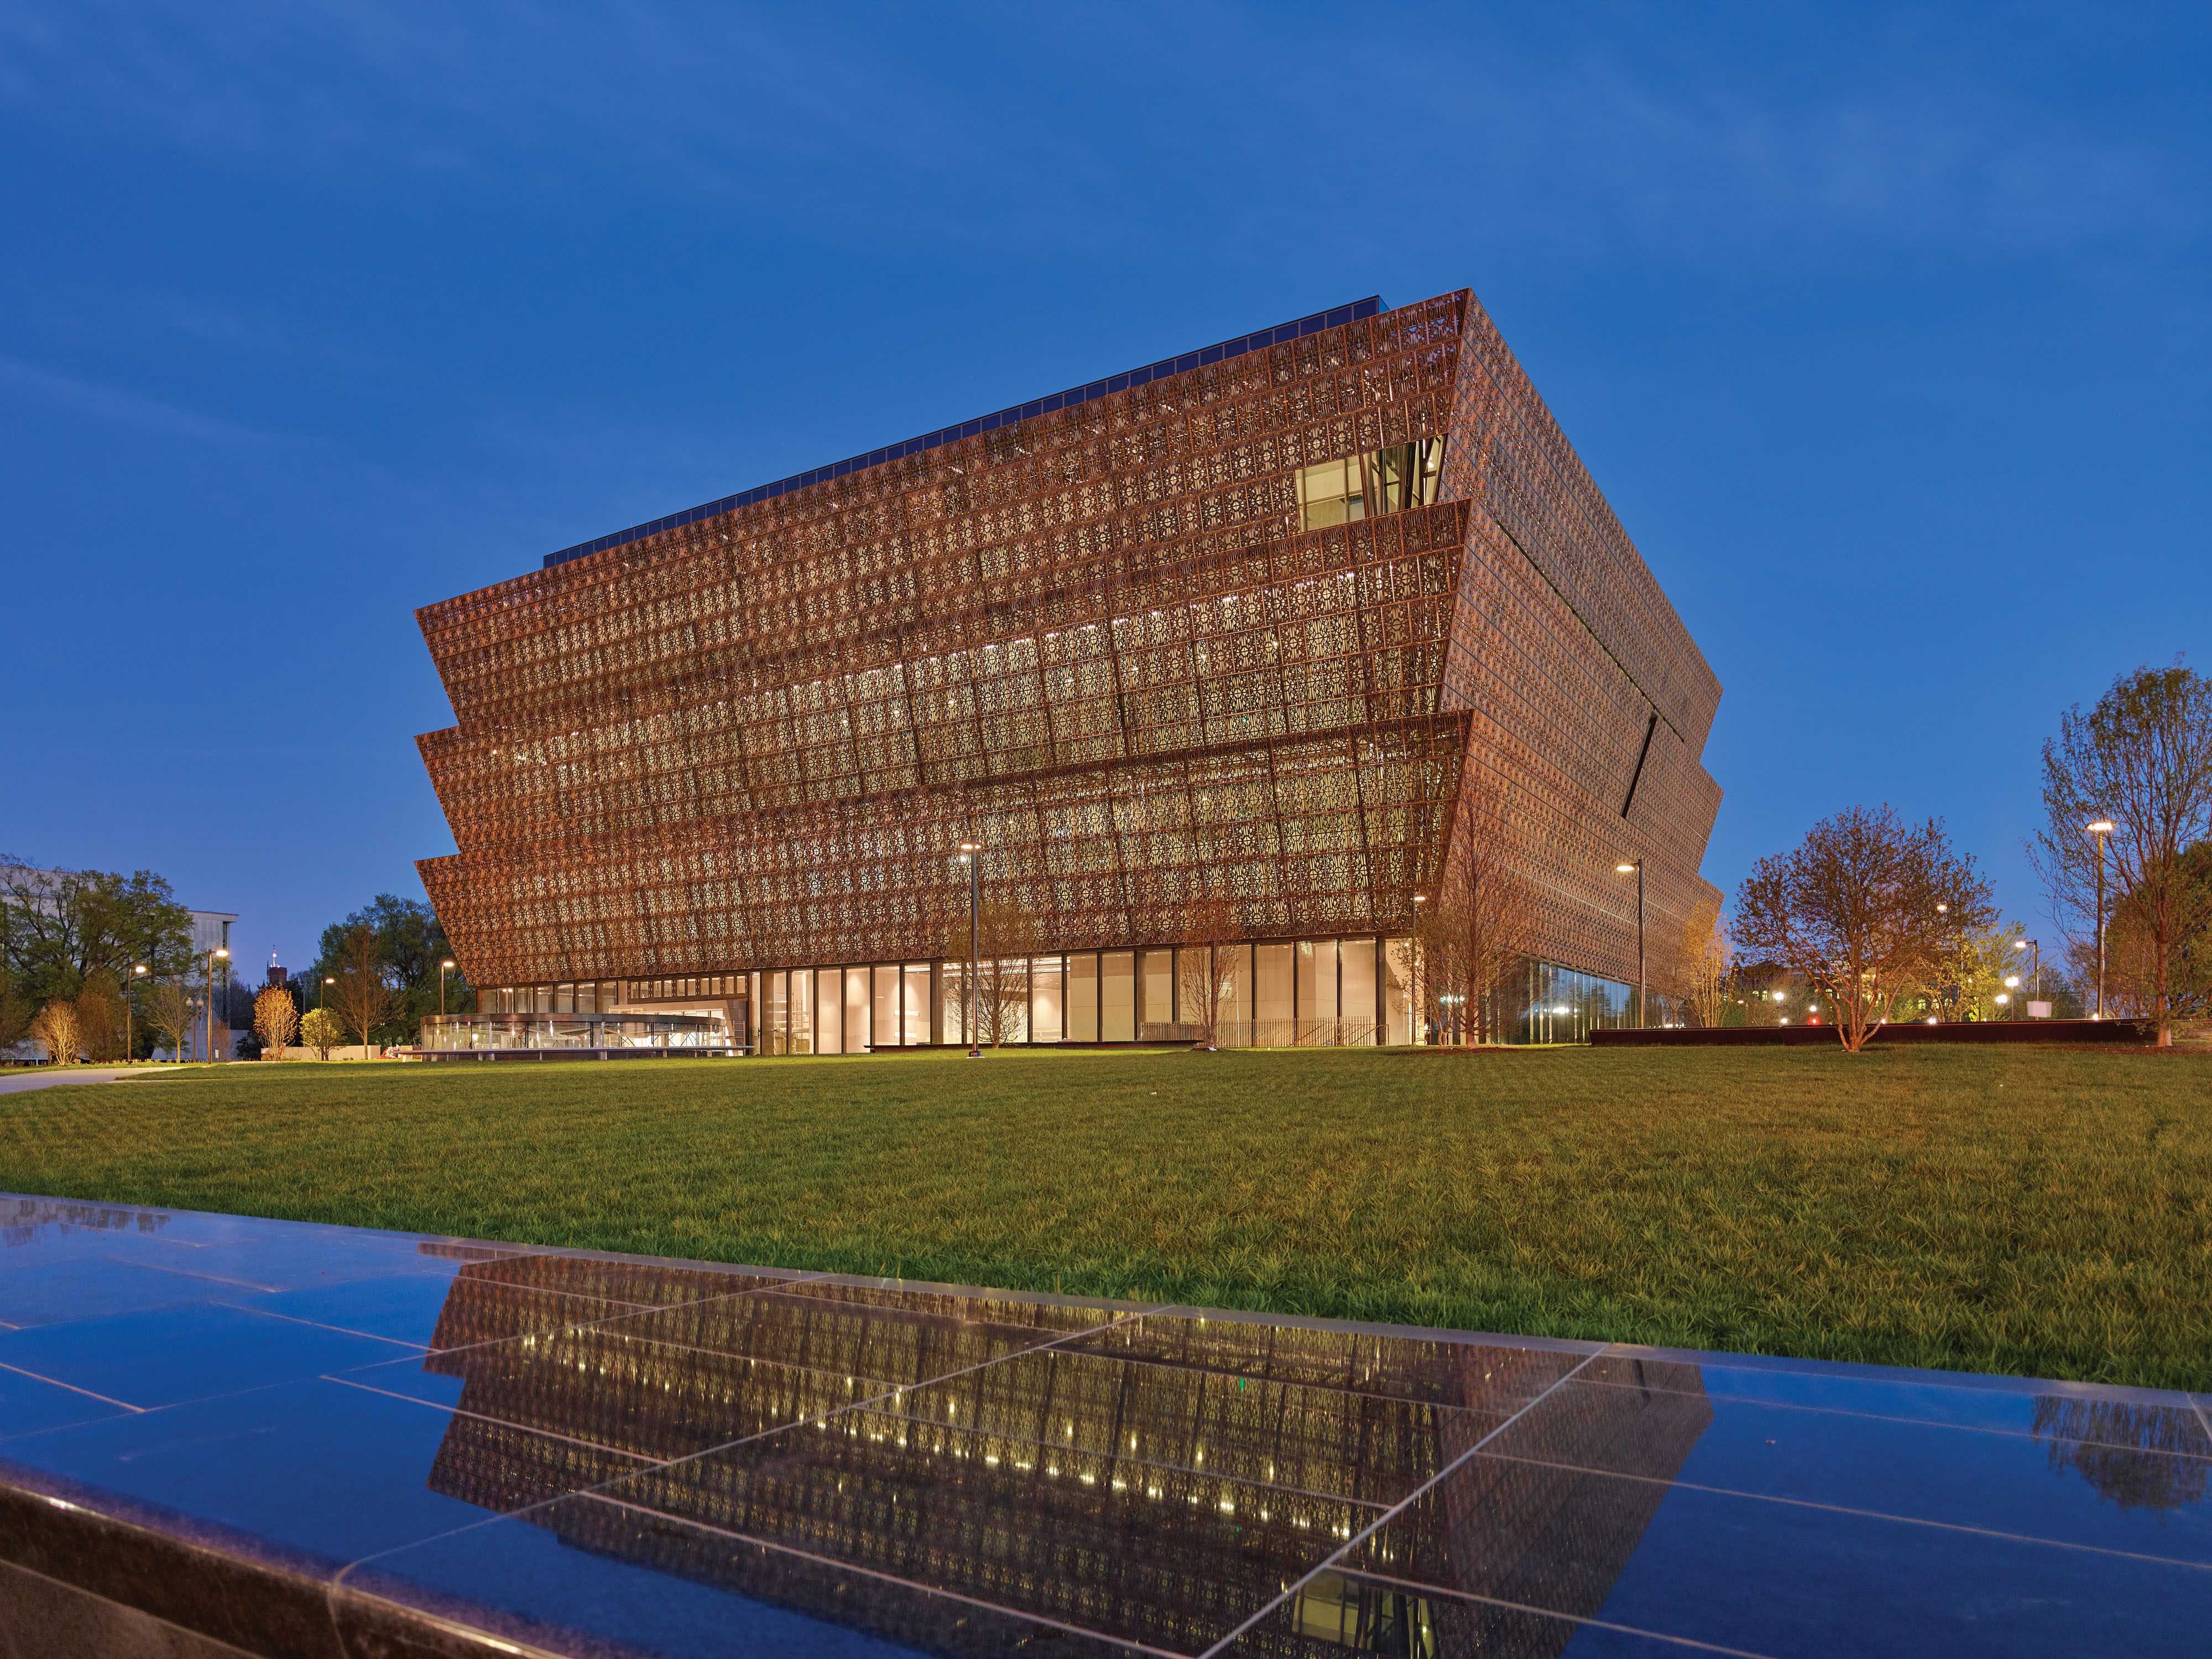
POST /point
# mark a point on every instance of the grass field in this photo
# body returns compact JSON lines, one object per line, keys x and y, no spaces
{"x":2047,"y":1213}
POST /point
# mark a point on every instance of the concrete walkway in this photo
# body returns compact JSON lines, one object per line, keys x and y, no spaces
{"x":46,"y":1077}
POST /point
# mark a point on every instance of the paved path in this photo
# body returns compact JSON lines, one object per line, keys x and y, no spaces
{"x":15,"y":1082}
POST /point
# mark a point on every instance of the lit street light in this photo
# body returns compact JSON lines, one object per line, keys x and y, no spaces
{"x":442,"y":968}
{"x":130,"y":1044}
{"x":219,"y":954}
{"x":2036,"y":945}
{"x":2100,"y":828}
{"x":1624,"y":869}
{"x":1420,"y":984}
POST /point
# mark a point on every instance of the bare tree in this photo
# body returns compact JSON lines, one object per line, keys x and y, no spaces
{"x":1481,"y":928}
{"x":2141,"y":759}
{"x":275,"y":1019}
{"x":1701,"y":963}
{"x":172,"y":1013}
{"x":1855,"y":909}
{"x":56,"y":1031}
{"x":1202,"y":966}
{"x":996,"y":1008}
{"x":363,"y":995}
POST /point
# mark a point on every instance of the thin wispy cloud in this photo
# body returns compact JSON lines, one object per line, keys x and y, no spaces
{"x":108,"y":403}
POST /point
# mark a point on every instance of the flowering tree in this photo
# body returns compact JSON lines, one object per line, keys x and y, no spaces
{"x":275,"y":1019}
{"x":56,"y":1031}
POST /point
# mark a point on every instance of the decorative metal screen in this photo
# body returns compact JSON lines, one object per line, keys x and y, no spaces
{"x":1103,"y":643}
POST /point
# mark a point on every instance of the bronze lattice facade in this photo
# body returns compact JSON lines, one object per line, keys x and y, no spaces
{"x":1250,"y":625}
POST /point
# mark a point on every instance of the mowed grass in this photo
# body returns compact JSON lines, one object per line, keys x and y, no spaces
{"x":2044,"y":1213}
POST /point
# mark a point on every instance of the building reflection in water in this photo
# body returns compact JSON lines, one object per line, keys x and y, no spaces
{"x":2103,"y":1440}
{"x":34,"y":1220}
{"x":1156,"y":1479}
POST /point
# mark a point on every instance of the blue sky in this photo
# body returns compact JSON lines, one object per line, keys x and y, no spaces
{"x":1887,"y":331}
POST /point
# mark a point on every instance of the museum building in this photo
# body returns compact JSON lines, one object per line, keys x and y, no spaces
{"x":1252,"y":653}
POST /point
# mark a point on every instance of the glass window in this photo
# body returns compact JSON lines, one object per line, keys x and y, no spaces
{"x":1332,"y":493}
{"x":1233,"y":962}
{"x":1046,"y":990}
{"x":1117,"y":997}
{"x":1357,"y":960}
{"x":955,"y":996}
{"x":914,"y":1022}
{"x":1083,"y":997}
{"x":829,"y":1011}
{"x":773,"y":1036}
{"x":1272,"y":986}
{"x":1158,"y":988}
{"x":1007,"y":981}
{"x":802,"y":1012}
{"x":883,"y":1028}
{"x":1317,"y":989}
{"x":856,"y":1010}
{"x":1357,"y":487}
{"x":1398,"y":991}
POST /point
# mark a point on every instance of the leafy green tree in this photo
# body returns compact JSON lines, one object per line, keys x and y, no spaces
{"x":1966,"y":976}
{"x":322,"y":1031}
{"x":60,"y":927}
{"x":410,"y":944}
{"x":2142,"y":761}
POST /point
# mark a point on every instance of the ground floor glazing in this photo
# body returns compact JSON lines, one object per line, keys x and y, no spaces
{"x":1279,"y":993}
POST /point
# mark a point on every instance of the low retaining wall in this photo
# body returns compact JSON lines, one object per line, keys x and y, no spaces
{"x":1799,"y":1037}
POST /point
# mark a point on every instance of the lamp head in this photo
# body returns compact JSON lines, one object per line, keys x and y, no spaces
{"x":2101,"y":827}
{"x":1625,"y":869}
{"x":447,"y":963}
{"x":138,"y":967}
{"x":222,"y":956}
{"x":969,"y":847}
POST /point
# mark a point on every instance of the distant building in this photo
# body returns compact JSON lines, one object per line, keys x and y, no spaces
{"x":211,"y":930}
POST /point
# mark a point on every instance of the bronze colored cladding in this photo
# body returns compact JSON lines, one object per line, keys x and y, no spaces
{"x":1098,"y":642}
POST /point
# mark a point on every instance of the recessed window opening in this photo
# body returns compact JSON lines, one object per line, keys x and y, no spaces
{"x":1387,"y":480}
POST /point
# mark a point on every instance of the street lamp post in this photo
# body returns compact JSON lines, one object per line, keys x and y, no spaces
{"x":129,"y":1040}
{"x":971,"y":855}
{"x":1623,"y":869}
{"x":1420,"y":962}
{"x":218,"y":954}
{"x":442,"y":968}
{"x":2100,"y":828}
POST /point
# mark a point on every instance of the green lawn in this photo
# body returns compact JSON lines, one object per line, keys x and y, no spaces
{"x":2046,"y":1213}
